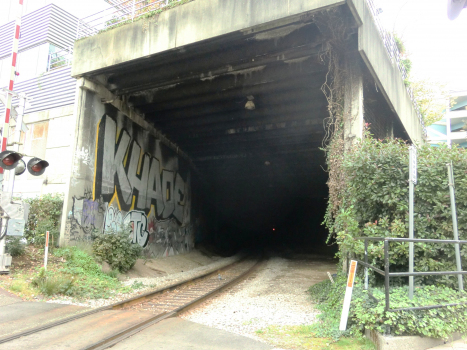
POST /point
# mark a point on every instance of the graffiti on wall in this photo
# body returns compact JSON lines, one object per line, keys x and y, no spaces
{"x":136,"y":191}
{"x":125,"y":172}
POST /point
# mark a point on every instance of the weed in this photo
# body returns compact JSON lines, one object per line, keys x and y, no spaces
{"x":112,"y":273}
{"x":18,"y":286}
{"x":49,"y":284}
{"x":15,"y":246}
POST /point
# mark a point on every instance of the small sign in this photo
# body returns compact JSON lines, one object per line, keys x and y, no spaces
{"x":348,"y":295}
{"x":413,"y":164}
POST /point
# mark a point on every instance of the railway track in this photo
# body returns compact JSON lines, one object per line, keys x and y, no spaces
{"x":157,"y":305}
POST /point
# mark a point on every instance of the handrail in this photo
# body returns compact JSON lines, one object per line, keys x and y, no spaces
{"x":124,"y":12}
{"x":388,"y":274}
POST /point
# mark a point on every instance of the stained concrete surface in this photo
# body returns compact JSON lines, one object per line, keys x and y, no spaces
{"x":179,"y":334}
{"x":80,"y":333}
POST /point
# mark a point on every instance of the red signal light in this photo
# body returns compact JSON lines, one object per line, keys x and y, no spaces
{"x":36,"y":168}
{"x":8,"y":160}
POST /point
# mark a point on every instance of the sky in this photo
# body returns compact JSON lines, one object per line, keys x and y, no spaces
{"x":82,"y":8}
{"x":436,"y":45}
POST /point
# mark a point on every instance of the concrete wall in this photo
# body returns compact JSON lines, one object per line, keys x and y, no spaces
{"x":384,"y":70}
{"x":184,"y":25}
{"x":122,"y":175}
{"x":49,"y":137}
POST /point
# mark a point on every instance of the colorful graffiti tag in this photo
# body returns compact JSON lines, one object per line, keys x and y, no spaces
{"x":126,"y":173}
{"x":137,"y":191}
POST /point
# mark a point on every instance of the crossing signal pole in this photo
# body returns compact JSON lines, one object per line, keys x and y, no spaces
{"x":5,"y":260}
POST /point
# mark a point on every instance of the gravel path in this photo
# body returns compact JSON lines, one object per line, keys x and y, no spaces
{"x":275,"y":295}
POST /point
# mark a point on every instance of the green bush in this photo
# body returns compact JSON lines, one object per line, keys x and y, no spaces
{"x":44,"y":215}
{"x":366,"y":313}
{"x":14,"y":246}
{"x":117,"y":250}
{"x":50,"y":284}
{"x":375,"y":203}
{"x":88,"y":279}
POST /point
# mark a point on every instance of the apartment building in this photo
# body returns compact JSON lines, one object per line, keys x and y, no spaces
{"x":43,"y":74}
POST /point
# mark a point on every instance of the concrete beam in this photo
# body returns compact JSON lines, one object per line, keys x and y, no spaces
{"x":184,"y":25}
{"x":384,"y":71}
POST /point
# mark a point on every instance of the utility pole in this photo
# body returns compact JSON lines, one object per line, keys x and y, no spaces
{"x":5,"y":259}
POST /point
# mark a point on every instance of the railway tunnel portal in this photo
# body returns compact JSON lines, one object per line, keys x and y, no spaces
{"x":206,"y":121}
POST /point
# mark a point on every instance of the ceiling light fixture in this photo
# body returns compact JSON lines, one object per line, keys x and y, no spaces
{"x":250,"y":105}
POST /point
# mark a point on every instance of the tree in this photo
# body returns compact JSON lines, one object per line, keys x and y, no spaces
{"x":431,"y":96}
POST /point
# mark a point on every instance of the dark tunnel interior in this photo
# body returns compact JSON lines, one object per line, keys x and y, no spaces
{"x":248,"y":109}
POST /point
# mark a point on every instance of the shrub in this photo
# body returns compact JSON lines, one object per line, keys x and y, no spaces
{"x":117,"y":250}
{"x":14,"y":246}
{"x":50,"y":284}
{"x":375,"y":203}
{"x":88,"y":279}
{"x":369,"y":314}
{"x":44,"y":215}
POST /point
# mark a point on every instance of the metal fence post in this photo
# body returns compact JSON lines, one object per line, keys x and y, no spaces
{"x":366,"y":262}
{"x":412,"y":182}
{"x":454,"y":223}
{"x":386,"y":272}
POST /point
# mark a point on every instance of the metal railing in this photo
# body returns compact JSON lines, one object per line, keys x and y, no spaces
{"x":387,"y":275}
{"x":126,"y":11}
{"x":395,"y":56}
{"x":60,"y":59}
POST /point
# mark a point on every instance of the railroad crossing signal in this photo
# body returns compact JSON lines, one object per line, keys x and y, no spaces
{"x":10,"y":160}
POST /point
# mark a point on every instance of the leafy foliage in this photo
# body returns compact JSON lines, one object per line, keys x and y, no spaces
{"x":44,"y":215}
{"x":432,"y":98}
{"x":50,"y":284}
{"x":88,"y":279}
{"x":369,"y":314}
{"x":374,"y":202}
{"x":14,"y":246}
{"x":117,"y":250}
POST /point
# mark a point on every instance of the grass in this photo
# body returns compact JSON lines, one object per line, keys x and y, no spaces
{"x":71,"y":271}
{"x":303,"y":338}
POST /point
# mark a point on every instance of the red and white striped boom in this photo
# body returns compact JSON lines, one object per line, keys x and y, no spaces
{"x":14,"y":55}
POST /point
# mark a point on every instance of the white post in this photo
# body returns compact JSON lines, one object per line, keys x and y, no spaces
{"x":133,"y":11}
{"x":46,"y":252}
{"x":348,"y":295}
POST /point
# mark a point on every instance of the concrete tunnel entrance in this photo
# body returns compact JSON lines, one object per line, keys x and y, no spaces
{"x":248,"y":109}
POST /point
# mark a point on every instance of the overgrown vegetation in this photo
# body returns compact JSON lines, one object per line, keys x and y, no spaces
{"x":374,"y":203}
{"x":431,"y":96}
{"x":44,"y":215}
{"x":71,"y":272}
{"x":369,"y":314}
{"x":14,"y":246}
{"x":116,"y":249}
{"x":303,"y":338}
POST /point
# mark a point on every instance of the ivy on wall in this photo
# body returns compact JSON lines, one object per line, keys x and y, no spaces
{"x":374,"y":203}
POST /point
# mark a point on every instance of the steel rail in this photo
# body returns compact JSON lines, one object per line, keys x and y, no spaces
{"x":115,"y":306}
{"x":122,"y":335}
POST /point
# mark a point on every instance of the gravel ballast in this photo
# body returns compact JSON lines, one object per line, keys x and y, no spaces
{"x":275,"y":295}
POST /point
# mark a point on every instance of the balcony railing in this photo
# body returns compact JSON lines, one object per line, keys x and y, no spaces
{"x":124,"y":12}
{"x":60,"y":59}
